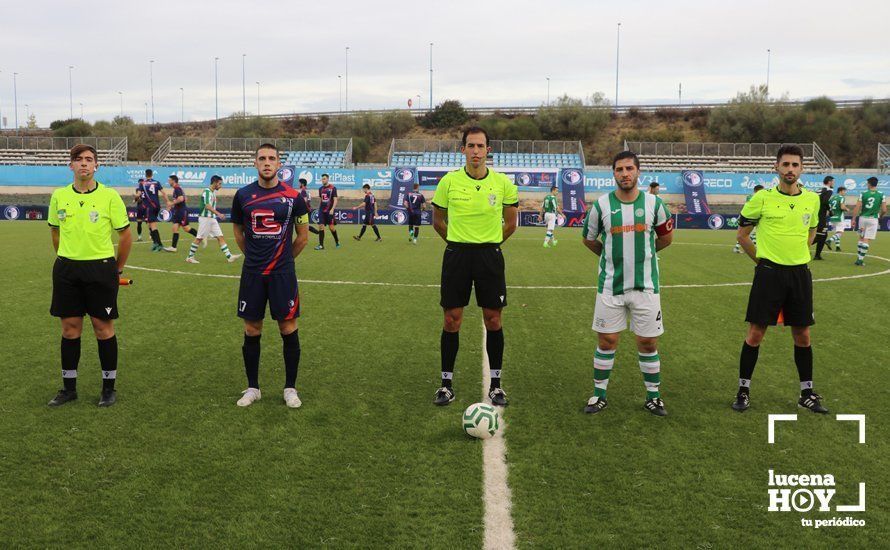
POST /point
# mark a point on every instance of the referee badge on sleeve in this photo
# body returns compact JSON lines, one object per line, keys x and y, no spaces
{"x":62,"y":214}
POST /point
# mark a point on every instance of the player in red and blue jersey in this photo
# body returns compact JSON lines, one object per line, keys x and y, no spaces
{"x":264,"y":216}
{"x":326,"y":216}
{"x":179,"y":214}
{"x":369,"y":204}
{"x":150,"y":190}
{"x":415,"y":203}
{"x":304,"y":192}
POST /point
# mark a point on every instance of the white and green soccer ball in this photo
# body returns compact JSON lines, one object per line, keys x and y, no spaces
{"x":481,"y":421}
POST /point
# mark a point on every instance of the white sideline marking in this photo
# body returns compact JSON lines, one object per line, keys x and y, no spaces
{"x":854,"y":418}
{"x":496,"y":498}
{"x":519,"y":287}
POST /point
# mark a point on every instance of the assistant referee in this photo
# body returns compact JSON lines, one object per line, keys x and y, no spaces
{"x":474,"y":211}
{"x":786,"y":218}
{"x":82,"y":218}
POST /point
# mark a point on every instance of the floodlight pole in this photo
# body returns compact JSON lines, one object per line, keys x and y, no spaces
{"x":1,"y":115}
{"x":15,"y":100}
{"x":548,"y":91}
{"x":122,"y":103}
{"x":258,"y":98}
{"x":70,"y":94}
{"x":181,"y":105}
{"x":340,"y":98}
{"x":768,"y":53}
{"x":216,"y":87}
{"x":243,"y":86}
{"x":151,"y":80}
{"x":81,"y":111}
{"x":347,"y":79}
{"x":617,"y":57}
{"x":431,"y":77}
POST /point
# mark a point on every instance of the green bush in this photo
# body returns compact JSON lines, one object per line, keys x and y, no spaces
{"x":249,"y":127}
{"x":73,"y":127}
{"x":448,"y":114}
{"x":568,"y":118}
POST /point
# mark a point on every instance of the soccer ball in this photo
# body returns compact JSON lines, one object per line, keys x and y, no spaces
{"x":481,"y":421}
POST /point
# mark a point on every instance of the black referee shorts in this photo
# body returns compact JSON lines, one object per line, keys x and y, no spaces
{"x":465,"y":266}
{"x":85,"y":287}
{"x":776,"y":288}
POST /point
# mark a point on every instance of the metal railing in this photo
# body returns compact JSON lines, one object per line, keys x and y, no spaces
{"x":402,"y":146}
{"x":724,"y":150}
{"x":250,"y":144}
{"x":532,"y":109}
{"x":883,"y":157}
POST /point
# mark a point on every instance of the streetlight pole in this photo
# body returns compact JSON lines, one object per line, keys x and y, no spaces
{"x":340,"y":101}
{"x":216,"y":86}
{"x":1,"y":115}
{"x":767,"y":71}
{"x":617,"y":53}
{"x":146,"y":112}
{"x":122,"y":103}
{"x":680,"y":94}
{"x":258,"y":98}
{"x":181,"y":105}
{"x":70,"y":94}
{"x":548,"y":91}
{"x":243,"y":86}
{"x":347,"y":79}
{"x":431,"y":76}
{"x":151,"y":81}
{"x":15,"y":100}
{"x":81,"y":111}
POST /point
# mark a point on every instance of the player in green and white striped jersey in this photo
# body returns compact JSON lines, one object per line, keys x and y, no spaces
{"x":625,"y":228}
{"x":869,"y":209}
{"x":208,"y":226}
{"x":838,"y":206}
{"x":738,"y":248}
{"x":549,"y":212}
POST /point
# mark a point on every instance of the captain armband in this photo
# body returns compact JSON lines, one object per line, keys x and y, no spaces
{"x":665,"y":228}
{"x":746,"y":222}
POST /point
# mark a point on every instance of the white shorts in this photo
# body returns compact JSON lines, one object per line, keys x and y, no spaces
{"x":868,"y":228}
{"x":550,"y":220}
{"x":611,"y":313}
{"x":838,"y":226}
{"x":208,"y":228}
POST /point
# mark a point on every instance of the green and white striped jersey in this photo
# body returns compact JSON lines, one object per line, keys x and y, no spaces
{"x":549,"y":204}
{"x":628,"y":232}
{"x":835,"y":203}
{"x":871,"y":203}
{"x":208,"y":198}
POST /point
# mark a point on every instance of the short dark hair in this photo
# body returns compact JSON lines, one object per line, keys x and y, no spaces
{"x":174,"y":177}
{"x":265,"y":146}
{"x":303,"y":182}
{"x":873,"y":181}
{"x":214,"y":178}
{"x":325,"y":176}
{"x":553,"y":188}
{"x":841,"y":188}
{"x":758,"y":187}
{"x":654,"y":184}
{"x":148,"y":173}
{"x":828,"y":179}
{"x":80,"y":148}
{"x":416,"y":186}
{"x":473,"y":130}
{"x":626,"y":155}
{"x":789,"y":150}
{"x":366,"y":186}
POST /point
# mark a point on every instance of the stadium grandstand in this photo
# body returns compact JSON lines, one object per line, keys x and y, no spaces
{"x":504,"y":153}
{"x":53,"y":151}
{"x":238,"y":152}
{"x":720,"y":157}
{"x":883,"y":157}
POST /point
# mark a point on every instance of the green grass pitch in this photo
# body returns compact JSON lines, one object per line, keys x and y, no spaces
{"x":368,"y":460}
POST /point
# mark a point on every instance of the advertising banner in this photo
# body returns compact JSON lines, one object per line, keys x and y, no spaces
{"x":693,"y":189}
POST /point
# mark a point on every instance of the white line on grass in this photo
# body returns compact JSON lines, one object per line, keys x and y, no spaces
{"x":496,"y":499}
{"x":516,"y":287}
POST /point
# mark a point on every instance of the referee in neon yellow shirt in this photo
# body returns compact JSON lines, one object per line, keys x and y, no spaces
{"x":786,"y":218}
{"x":474,"y":211}
{"x":82,"y":218}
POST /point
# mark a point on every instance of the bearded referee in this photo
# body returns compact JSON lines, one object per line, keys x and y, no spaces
{"x":82,"y":218}
{"x":786,"y":218}
{"x":474,"y":212}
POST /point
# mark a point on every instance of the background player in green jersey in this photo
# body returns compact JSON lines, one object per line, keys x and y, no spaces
{"x":738,"y":248}
{"x":208,"y":226}
{"x":838,"y":206}
{"x":549,"y":212}
{"x":786,"y":216}
{"x":625,"y":228}
{"x":869,"y":208}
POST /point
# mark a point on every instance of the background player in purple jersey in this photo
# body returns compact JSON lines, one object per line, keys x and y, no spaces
{"x":150,"y":190}
{"x":370,"y":206}
{"x":264,"y":215}
{"x":138,"y":197}
{"x":416,"y":204}
{"x":304,"y":192}
{"x":179,"y":214}
{"x":326,"y":216}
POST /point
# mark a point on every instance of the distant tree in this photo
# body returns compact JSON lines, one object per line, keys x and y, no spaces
{"x":448,"y":114}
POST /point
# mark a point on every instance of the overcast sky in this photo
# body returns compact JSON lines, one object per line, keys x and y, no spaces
{"x":485,"y":53}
